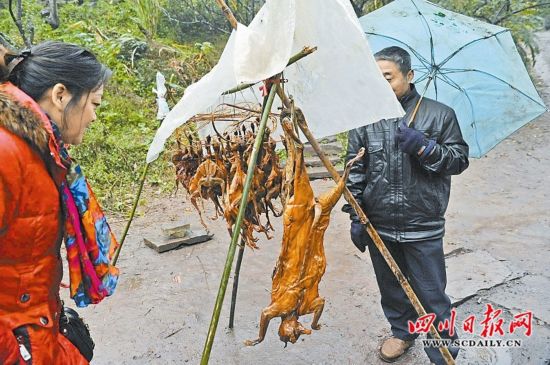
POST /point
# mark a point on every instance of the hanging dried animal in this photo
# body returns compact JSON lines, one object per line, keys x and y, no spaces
{"x":301,"y":263}
{"x":217,"y":172}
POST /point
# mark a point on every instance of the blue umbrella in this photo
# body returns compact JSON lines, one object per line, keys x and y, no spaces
{"x":469,"y":65}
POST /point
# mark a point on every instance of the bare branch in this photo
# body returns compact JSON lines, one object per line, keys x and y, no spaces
{"x":504,"y":6}
{"x":499,"y":20}
{"x":194,"y":21}
{"x":18,"y":21}
{"x":481,"y":6}
{"x":5,"y":41}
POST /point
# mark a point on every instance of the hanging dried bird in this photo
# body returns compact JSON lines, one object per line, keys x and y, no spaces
{"x":207,"y":179}
{"x":218,"y":173}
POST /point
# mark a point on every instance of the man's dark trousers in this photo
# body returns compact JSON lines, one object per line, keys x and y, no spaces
{"x":423,"y":264}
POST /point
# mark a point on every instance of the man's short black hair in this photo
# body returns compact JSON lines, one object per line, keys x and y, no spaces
{"x":397,"y":55}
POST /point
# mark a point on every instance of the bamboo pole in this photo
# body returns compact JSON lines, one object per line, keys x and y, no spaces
{"x":303,"y":53}
{"x":297,"y":57}
{"x":136,"y":201}
{"x":236,"y":275}
{"x":306,"y":51}
{"x":370,"y":229}
{"x":228,"y":13}
{"x":237,"y":228}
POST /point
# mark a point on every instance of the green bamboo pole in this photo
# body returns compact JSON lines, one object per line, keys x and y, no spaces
{"x":136,"y":201}
{"x":237,"y":229}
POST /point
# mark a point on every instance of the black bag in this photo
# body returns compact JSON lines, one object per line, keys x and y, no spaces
{"x":76,"y":331}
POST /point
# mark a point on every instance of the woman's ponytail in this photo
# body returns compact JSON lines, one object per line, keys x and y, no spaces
{"x":8,"y":60}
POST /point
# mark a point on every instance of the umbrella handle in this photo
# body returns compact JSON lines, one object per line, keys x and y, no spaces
{"x":413,"y":115}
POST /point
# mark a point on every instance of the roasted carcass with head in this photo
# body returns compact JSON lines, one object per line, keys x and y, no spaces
{"x":301,"y":262}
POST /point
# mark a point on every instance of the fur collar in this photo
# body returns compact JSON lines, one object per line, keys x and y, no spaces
{"x":23,"y":117}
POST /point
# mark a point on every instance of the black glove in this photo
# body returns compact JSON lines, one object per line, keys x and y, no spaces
{"x":358,"y":235}
{"x":410,"y":141}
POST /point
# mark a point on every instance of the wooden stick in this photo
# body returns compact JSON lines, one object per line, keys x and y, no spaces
{"x":19,"y":23}
{"x":237,"y":228}
{"x":297,"y":57}
{"x":228,"y":13}
{"x":136,"y":201}
{"x":236,"y":284}
{"x":370,"y":229}
{"x":417,"y":106}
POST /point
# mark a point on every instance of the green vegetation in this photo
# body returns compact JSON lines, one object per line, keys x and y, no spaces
{"x":343,"y":139}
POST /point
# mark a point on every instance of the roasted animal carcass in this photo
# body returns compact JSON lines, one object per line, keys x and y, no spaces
{"x":217,"y":171}
{"x":209,"y":180}
{"x":301,"y":262}
{"x":274,"y":180}
{"x":234,"y":192}
{"x":186,"y":160}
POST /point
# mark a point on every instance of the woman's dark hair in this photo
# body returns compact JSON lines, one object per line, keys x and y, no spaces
{"x":50,"y":63}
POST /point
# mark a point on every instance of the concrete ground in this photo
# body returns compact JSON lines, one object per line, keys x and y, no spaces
{"x":497,"y":241}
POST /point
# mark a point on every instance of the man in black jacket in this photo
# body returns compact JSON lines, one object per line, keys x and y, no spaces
{"x":403,"y":184}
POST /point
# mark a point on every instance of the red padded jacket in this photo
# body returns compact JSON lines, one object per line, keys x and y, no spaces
{"x":31,"y":227}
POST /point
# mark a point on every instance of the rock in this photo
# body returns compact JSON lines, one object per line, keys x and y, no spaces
{"x":175,"y":231}
{"x":162,"y":244}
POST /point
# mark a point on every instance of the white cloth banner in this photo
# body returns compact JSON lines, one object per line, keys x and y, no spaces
{"x":339,"y":87}
{"x":263,"y":48}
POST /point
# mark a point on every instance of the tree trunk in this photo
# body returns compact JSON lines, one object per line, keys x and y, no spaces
{"x":53,"y":19}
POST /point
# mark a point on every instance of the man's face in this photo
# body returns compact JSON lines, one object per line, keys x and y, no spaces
{"x":398,"y":82}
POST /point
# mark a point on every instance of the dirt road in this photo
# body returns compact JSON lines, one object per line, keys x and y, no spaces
{"x":498,"y":231}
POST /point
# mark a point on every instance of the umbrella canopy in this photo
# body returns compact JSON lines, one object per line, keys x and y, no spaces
{"x":471,"y":66}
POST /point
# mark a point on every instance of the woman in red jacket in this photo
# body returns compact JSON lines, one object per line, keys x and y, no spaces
{"x":48,"y":97}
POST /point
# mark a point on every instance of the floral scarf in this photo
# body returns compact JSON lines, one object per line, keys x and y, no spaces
{"x":89,"y":240}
